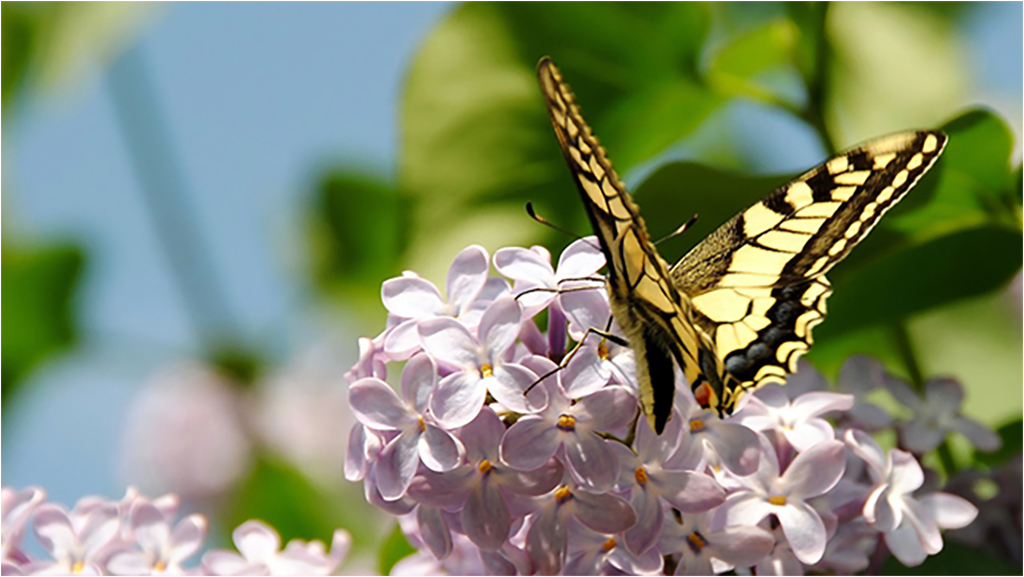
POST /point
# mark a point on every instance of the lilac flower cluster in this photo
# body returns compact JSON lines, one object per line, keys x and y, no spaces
{"x":139,"y":536}
{"x":498,"y":459}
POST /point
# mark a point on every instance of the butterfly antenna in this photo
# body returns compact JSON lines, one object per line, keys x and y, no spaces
{"x":682,"y":228}
{"x":533,"y":214}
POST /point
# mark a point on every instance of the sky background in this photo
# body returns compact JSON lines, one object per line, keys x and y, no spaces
{"x":257,"y":98}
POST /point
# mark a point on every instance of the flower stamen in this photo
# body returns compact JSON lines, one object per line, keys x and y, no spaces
{"x":486,"y":370}
{"x":423,"y":425}
{"x":484,"y":467}
{"x":696,"y":425}
{"x":78,"y":567}
{"x":567,"y":423}
{"x":609,"y":544}
{"x":641,"y":475}
{"x":696,"y":541}
{"x":602,"y":350}
{"x":778,"y":500}
{"x":563,"y":494}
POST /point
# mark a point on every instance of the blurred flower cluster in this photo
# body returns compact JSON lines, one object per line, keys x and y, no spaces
{"x":139,"y":536}
{"x":506,"y":452}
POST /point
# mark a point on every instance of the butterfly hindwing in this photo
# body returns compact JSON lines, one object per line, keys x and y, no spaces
{"x":757,"y":283}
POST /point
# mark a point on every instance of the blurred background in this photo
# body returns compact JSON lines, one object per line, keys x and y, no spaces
{"x":202,"y":200}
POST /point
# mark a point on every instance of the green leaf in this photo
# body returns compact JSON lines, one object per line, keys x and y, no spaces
{"x":277,"y":494}
{"x":359,"y":231}
{"x":740,"y":67}
{"x":395,"y":548}
{"x":475,"y":135}
{"x":39,"y":288}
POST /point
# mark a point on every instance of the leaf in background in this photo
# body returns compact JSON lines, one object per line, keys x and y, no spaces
{"x":282,"y":497}
{"x":744,"y":66}
{"x":474,"y":130}
{"x":358,"y":235}
{"x":39,"y":286}
{"x":394,"y":548}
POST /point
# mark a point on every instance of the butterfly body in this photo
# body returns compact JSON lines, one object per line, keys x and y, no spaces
{"x":735,"y":312}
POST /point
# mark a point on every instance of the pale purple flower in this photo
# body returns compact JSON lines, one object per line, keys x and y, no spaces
{"x":849,"y":550}
{"x":767,"y":492}
{"x":937,"y":415}
{"x":17,"y":507}
{"x":76,"y":541}
{"x":413,"y":299}
{"x":363,"y":448}
{"x":736,"y":446}
{"x":464,"y":558}
{"x":589,"y":309}
{"x":859,"y":376}
{"x":592,"y":553}
{"x":911,"y":524}
{"x":782,"y":560}
{"x":159,"y":547}
{"x":794,"y":417}
{"x":655,"y":483}
{"x":549,"y":533}
{"x":259,"y":554}
{"x":480,"y":365}
{"x":571,"y":429}
{"x":185,"y":433}
{"x":372,"y":361}
{"x":706,"y":551}
{"x":531,"y":269}
{"x":481,"y":488}
{"x":418,"y":440}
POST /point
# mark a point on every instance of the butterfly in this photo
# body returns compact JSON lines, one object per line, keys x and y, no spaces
{"x":737,"y":311}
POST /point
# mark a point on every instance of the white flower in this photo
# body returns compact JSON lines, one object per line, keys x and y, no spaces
{"x":259,"y":548}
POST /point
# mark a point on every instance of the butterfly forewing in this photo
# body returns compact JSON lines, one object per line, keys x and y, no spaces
{"x":646,"y":304}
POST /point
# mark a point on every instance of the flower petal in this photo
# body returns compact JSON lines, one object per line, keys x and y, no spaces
{"x":688,"y":491}
{"x":804,"y":530}
{"x":585,"y":309}
{"x":449,"y":342}
{"x":905,"y":545}
{"x":650,"y":518}
{"x":869,"y":451}
{"x":403,"y":340}
{"x":256,"y":541}
{"x":817,"y":403}
{"x":467,"y":276}
{"x":806,"y":434}
{"x":54,"y":532}
{"x":457,"y":400}
{"x":397,"y":465}
{"x":737,"y":446}
{"x":509,"y":383}
{"x":742,"y":508}
{"x":524,"y":265}
{"x":949,"y":511}
{"x":419,"y":376}
{"x":907,"y":475}
{"x":377,"y":406}
{"x":741,"y":546}
{"x":439,"y":450}
{"x":982,"y":437}
{"x":482,"y":436}
{"x":591,"y":460}
{"x":546,"y":543}
{"x":815,"y":471}
{"x":529,"y":443}
{"x":944,"y":394}
{"x":602,"y":512}
{"x":434,"y":530}
{"x":584,"y":374}
{"x":187,"y":538}
{"x":499,"y":326}
{"x":485,"y":518}
{"x":128,"y":563}
{"x":920,"y":435}
{"x":607,"y":409}
{"x":582,"y":258}
{"x":411,"y":297}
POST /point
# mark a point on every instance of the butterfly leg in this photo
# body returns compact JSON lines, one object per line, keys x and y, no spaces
{"x":565,"y":361}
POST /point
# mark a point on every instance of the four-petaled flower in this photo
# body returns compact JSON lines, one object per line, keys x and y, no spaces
{"x":937,"y":415}
{"x":259,"y":554}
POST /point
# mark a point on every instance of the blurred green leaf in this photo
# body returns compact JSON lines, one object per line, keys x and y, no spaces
{"x":39,"y":288}
{"x":276,"y":493}
{"x":394,"y":548}
{"x":474,"y":130}
{"x":1011,"y":434}
{"x":359,"y":230}
{"x":738,"y":68}
{"x":954,"y":559}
